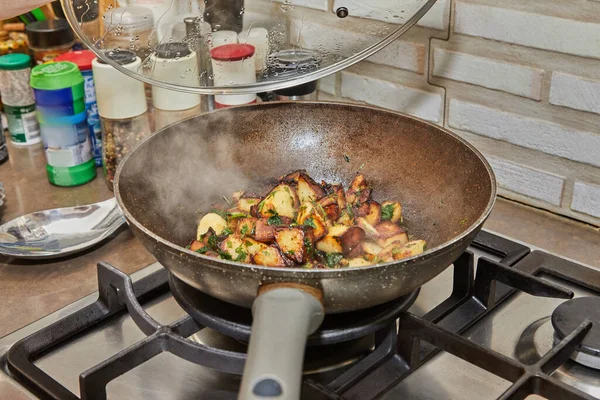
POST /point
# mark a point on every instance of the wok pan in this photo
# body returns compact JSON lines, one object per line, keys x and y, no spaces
{"x":446,"y":188}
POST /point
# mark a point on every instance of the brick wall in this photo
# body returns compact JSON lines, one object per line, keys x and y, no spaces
{"x":518,"y":79}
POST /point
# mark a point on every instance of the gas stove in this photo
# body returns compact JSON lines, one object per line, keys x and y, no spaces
{"x":505,"y":321}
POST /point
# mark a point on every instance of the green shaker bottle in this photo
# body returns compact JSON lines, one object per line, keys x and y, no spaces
{"x":58,"y":89}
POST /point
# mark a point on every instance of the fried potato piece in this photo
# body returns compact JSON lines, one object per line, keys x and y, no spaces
{"x":358,"y":191}
{"x":291,"y":243}
{"x":196,"y":245}
{"x":374,"y":214}
{"x":370,"y":231}
{"x":234,"y":246}
{"x":211,"y":220}
{"x":282,"y":201}
{"x":371,"y":248}
{"x":309,"y":216}
{"x":386,"y":229}
{"x":345,"y":218}
{"x":358,"y":262}
{"x":270,"y":257}
{"x":245,"y":203}
{"x":337,"y":230}
{"x":410,"y":249}
{"x":308,"y":189}
{"x":332,"y":211}
{"x":246,"y":226}
{"x":330,"y":244}
{"x":399,"y":239}
{"x":253,"y":246}
{"x":263,"y":232}
{"x":351,"y":240}
{"x":391,"y":211}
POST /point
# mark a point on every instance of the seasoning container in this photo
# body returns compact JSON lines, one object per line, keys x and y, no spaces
{"x":49,"y":39}
{"x":220,"y":38}
{"x":122,"y":107}
{"x":17,"y":98}
{"x":176,"y":63}
{"x":3,"y":147}
{"x":293,"y":62}
{"x":65,"y":131}
{"x":83,"y":59}
{"x":233,"y":64}
{"x":130,"y":28}
{"x":259,"y":38}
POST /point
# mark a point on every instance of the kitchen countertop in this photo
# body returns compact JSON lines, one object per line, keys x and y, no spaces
{"x":30,"y":290}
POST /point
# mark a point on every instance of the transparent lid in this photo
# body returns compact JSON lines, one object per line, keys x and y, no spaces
{"x":331,"y":34}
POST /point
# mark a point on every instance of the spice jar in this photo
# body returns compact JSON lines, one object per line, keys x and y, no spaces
{"x":122,"y":107}
{"x":83,"y":59}
{"x":259,"y":38}
{"x":130,"y":28}
{"x":49,"y":39}
{"x":233,"y":64}
{"x":176,"y":63}
{"x":59,"y":93}
{"x":18,"y":100}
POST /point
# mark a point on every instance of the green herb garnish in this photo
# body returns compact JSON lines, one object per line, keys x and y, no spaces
{"x":225,"y":255}
{"x":310,"y":251}
{"x":291,"y":252}
{"x":203,"y":250}
{"x":229,"y":244}
{"x":387,"y":212}
{"x":212,"y":241}
{"x":274,"y":220}
{"x":248,"y":243}
{"x":396,"y":250}
{"x":346,"y":158}
{"x":462,"y":221}
{"x":241,"y":254}
{"x":226,"y":232}
{"x":223,"y":214}
{"x":244,"y":230}
{"x":349,"y":210}
{"x":310,"y":222}
{"x":237,"y":215}
{"x":188,"y":246}
{"x":332,"y":259}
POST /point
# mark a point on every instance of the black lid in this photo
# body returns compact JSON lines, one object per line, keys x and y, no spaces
{"x":121,"y":57}
{"x":172,"y":50}
{"x":49,"y":33}
{"x":292,"y":62}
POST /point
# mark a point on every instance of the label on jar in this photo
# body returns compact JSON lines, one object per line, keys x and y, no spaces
{"x":67,"y":146}
{"x":22,"y":124}
{"x":93,"y":120}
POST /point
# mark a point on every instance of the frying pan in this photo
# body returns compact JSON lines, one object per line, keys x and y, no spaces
{"x":446,"y":188}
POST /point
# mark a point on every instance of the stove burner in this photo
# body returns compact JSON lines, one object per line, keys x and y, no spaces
{"x":567,"y":317}
{"x":236,"y":322}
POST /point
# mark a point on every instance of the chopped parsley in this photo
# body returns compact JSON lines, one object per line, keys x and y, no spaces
{"x":225,"y":255}
{"x":237,"y":215}
{"x":310,"y":250}
{"x":203,"y":250}
{"x":229,"y":244}
{"x":212,"y":241}
{"x":346,"y":158}
{"x":188,"y":247}
{"x":396,"y":250}
{"x":463,"y":221}
{"x":241,"y":254}
{"x":272,"y":212}
{"x":248,"y":243}
{"x":223,"y":214}
{"x":310,"y":222}
{"x":291,"y":252}
{"x":349,"y":210}
{"x":244,"y":230}
{"x":226,"y":232}
{"x":361,"y":166}
{"x":274,"y":220}
{"x":387,"y":212}
{"x":332,"y":259}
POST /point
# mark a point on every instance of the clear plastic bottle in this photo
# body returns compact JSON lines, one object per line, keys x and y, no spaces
{"x":130,"y":28}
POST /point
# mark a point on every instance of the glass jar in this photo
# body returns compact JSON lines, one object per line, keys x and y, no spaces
{"x":130,"y":28}
{"x":49,"y":39}
{"x":119,"y":137}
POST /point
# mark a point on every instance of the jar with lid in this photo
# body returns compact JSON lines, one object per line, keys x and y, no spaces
{"x":49,"y":39}
{"x":130,"y":28}
{"x":174,"y":62}
{"x":233,"y":64}
{"x":293,"y":62}
{"x":18,"y":100}
{"x":122,"y":107}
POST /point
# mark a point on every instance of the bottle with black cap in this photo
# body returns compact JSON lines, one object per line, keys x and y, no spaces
{"x":285,"y":63}
{"x":176,"y":63}
{"x":123,"y":109}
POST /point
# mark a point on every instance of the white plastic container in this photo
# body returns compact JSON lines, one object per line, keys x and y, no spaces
{"x":233,"y":64}
{"x":220,"y":38}
{"x":259,"y":38}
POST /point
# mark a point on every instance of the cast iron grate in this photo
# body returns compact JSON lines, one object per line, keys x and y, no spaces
{"x":394,"y":357}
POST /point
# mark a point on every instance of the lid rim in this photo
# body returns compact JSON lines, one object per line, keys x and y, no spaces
{"x":14,"y":62}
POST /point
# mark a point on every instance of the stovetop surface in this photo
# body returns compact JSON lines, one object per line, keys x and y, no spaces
{"x":518,"y":328}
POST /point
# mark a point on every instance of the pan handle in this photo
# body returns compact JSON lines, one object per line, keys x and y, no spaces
{"x":284,"y":315}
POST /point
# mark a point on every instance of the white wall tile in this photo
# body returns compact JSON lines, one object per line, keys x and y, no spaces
{"x":525,"y":131}
{"x":327,"y":84}
{"x":528,"y":181}
{"x":586,"y":199}
{"x":575,"y":92}
{"x":316,"y":4}
{"x":493,"y":74}
{"x":394,"y":96}
{"x":528,"y":29}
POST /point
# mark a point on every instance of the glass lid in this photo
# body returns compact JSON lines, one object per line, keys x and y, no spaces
{"x":239,"y":46}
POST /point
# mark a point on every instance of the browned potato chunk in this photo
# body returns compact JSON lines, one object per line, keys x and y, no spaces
{"x":234,"y":246}
{"x":236,"y":196}
{"x":253,"y":246}
{"x":292,"y":177}
{"x":282,"y":201}
{"x":308,"y":216}
{"x":337,"y":230}
{"x":391,"y":211}
{"x":308,"y":189}
{"x":328,"y":200}
{"x":263,"y":232}
{"x":211,"y":221}
{"x":269,"y":257}
{"x":359,"y":190}
{"x":332,"y":211}
{"x":330,"y":244}
{"x":291,"y":243}
{"x":246,"y":203}
{"x":399,"y":239}
{"x":374,"y":215}
{"x":196,"y":245}
{"x":361,"y":209}
{"x":371,"y":248}
{"x":351,"y":239}
{"x":345,"y":218}
{"x":246,"y":226}
{"x":386,"y":229}
{"x":338,"y":190}
{"x":410,"y":249}
{"x":370,"y":231}
{"x":358,"y":262}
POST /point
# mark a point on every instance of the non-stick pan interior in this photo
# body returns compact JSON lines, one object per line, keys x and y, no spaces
{"x":173,"y":177}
